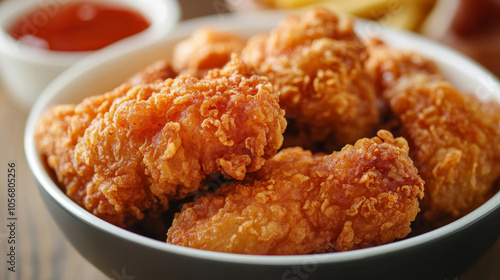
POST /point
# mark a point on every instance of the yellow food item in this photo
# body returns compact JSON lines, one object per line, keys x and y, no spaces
{"x":403,"y":14}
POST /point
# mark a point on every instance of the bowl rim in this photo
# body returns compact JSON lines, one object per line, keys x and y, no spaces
{"x":161,"y":21}
{"x":248,"y":19}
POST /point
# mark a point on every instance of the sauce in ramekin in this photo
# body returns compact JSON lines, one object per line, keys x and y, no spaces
{"x":77,"y":26}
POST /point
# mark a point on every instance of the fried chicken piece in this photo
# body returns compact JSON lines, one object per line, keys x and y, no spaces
{"x":60,"y":128}
{"x":157,"y":142}
{"x":317,"y":63}
{"x":156,"y":72}
{"x":205,"y":49}
{"x":387,"y":65}
{"x":454,"y":138}
{"x":298,"y":203}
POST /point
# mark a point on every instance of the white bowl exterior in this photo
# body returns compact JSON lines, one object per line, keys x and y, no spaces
{"x":26,"y":71}
{"x":467,"y":76}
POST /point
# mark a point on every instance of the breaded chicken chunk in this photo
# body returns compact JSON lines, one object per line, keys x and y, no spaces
{"x":299,"y":203}
{"x":147,"y":144}
{"x":156,"y":72}
{"x":61,"y":127}
{"x":454,"y":138}
{"x":316,"y":61}
{"x":205,"y":49}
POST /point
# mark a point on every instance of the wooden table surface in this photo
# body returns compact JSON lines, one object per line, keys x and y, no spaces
{"x":42,"y":252}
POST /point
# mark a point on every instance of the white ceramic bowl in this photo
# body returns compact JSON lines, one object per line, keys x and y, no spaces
{"x":440,"y":254}
{"x":26,"y":71}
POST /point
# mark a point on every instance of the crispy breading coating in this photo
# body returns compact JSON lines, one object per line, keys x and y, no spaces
{"x":157,"y":142}
{"x":386,"y":65}
{"x":156,"y":72}
{"x":61,"y":127}
{"x":454,"y":138}
{"x":316,"y":61}
{"x":205,"y":49}
{"x":298,"y":203}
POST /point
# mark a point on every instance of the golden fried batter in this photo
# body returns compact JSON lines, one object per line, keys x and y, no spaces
{"x":386,"y":64}
{"x":156,"y":72}
{"x":147,"y":144}
{"x":205,"y":49}
{"x":62,"y":126}
{"x":454,"y":139}
{"x":317,"y":63}
{"x":365,"y":195}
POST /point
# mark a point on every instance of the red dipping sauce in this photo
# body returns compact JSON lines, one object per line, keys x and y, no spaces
{"x":77,"y":26}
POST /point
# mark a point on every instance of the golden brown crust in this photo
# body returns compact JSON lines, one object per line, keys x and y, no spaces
{"x":317,"y":63}
{"x":156,"y":142}
{"x":455,"y":145}
{"x":205,"y":49}
{"x":454,"y":138}
{"x":156,"y":72}
{"x":298,"y":203}
{"x":386,"y":65}
{"x":61,"y":127}
{"x":125,"y":154}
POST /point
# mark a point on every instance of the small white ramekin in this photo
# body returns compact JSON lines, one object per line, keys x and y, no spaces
{"x":25,"y":71}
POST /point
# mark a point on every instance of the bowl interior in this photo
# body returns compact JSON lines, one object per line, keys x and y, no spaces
{"x":86,"y":78}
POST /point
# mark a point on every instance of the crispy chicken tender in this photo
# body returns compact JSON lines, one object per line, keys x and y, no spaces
{"x":386,"y":65}
{"x":147,"y":144}
{"x":317,"y":63}
{"x":61,"y":127}
{"x":205,"y":49}
{"x":156,"y":72}
{"x":298,"y":203}
{"x":454,"y":138}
